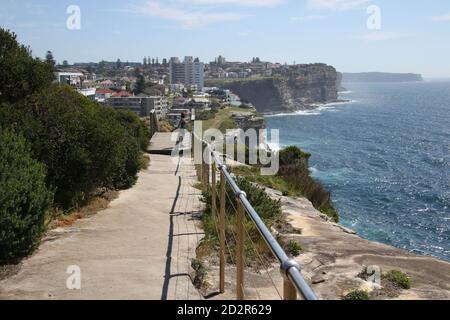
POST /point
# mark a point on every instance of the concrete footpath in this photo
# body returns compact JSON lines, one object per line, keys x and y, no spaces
{"x":140,"y":247}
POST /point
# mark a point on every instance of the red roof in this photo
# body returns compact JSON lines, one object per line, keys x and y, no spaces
{"x":103,"y":91}
{"x":122,"y":94}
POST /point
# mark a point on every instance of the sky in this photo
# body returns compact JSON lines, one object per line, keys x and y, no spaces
{"x":351,"y":35}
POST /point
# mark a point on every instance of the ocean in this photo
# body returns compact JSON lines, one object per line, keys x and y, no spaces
{"x":385,"y":157}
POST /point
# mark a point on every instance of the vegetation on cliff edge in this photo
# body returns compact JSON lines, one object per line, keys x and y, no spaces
{"x":57,"y":147}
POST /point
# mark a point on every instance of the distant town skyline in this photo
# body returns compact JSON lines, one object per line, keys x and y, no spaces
{"x":352,"y":35}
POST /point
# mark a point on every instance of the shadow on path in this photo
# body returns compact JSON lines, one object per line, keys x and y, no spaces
{"x":167,"y":275}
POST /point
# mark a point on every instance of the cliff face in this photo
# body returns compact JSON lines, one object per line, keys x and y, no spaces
{"x":291,"y":89}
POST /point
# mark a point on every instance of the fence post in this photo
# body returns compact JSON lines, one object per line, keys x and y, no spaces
{"x":289,"y":291}
{"x":222,"y":232}
{"x":240,"y":251}
{"x":203,"y":168}
{"x":213,"y":193}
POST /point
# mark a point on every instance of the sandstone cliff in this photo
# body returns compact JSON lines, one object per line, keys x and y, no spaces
{"x":291,"y":88}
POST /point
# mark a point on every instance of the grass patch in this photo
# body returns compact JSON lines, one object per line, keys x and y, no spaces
{"x":223,"y":120}
{"x":294,"y":248}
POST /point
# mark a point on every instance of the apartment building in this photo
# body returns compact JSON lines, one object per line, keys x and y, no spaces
{"x":142,"y":105}
{"x":190,"y":72}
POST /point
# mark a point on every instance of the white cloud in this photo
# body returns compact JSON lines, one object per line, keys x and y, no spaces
{"x":445,"y":17}
{"x":339,"y":5}
{"x":383,"y":36}
{"x":188,"y":18}
{"x":309,"y":18}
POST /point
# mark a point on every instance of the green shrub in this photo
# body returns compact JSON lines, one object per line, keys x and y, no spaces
{"x":135,"y":126}
{"x":399,"y":279}
{"x":292,"y":155}
{"x":294,"y":248}
{"x":24,"y":198}
{"x":84,"y":146}
{"x":357,"y":295}
{"x":21,"y":74}
{"x":294,"y":168}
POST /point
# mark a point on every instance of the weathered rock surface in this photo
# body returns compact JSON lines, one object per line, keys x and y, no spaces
{"x":334,"y":257}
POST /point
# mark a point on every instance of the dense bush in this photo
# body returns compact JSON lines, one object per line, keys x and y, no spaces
{"x":135,"y":127}
{"x":21,"y":74}
{"x":84,"y":146}
{"x":24,"y":197}
{"x":294,"y":168}
{"x":293,"y":156}
{"x":75,"y":147}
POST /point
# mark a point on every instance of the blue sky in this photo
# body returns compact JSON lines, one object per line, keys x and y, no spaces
{"x":414,"y":35}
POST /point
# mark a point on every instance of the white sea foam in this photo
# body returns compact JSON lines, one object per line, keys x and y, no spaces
{"x":316,"y":111}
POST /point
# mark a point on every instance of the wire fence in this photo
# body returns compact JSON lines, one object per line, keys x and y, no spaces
{"x":232,"y":214}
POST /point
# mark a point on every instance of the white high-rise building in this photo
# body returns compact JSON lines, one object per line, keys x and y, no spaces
{"x":190,"y":72}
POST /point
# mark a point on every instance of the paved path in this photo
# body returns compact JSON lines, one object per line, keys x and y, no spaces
{"x":139,"y":248}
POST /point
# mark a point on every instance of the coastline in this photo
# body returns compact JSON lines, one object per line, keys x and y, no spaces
{"x":334,"y":256}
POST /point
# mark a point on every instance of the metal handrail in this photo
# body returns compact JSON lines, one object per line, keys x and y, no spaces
{"x":290,"y":268}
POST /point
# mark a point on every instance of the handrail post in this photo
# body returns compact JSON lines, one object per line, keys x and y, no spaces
{"x":203,"y":168}
{"x":289,"y":290}
{"x":213,"y":193}
{"x":240,"y":251}
{"x":222,"y":232}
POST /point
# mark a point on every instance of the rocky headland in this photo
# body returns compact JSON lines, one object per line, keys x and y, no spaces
{"x":290,"y":89}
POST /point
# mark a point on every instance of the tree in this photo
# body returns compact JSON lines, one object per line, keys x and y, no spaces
{"x":21,"y":74}
{"x":25,"y":199}
{"x":140,"y":85}
{"x":49,"y":59}
{"x":118,"y":64}
{"x":65,"y":63}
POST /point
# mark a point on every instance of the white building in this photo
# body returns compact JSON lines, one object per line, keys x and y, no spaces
{"x":142,"y":105}
{"x":71,"y":78}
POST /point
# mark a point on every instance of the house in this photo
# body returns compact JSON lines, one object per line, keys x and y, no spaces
{"x":106,"y":84}
{"x":101,"y":95}
{"x":199,"y":103}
